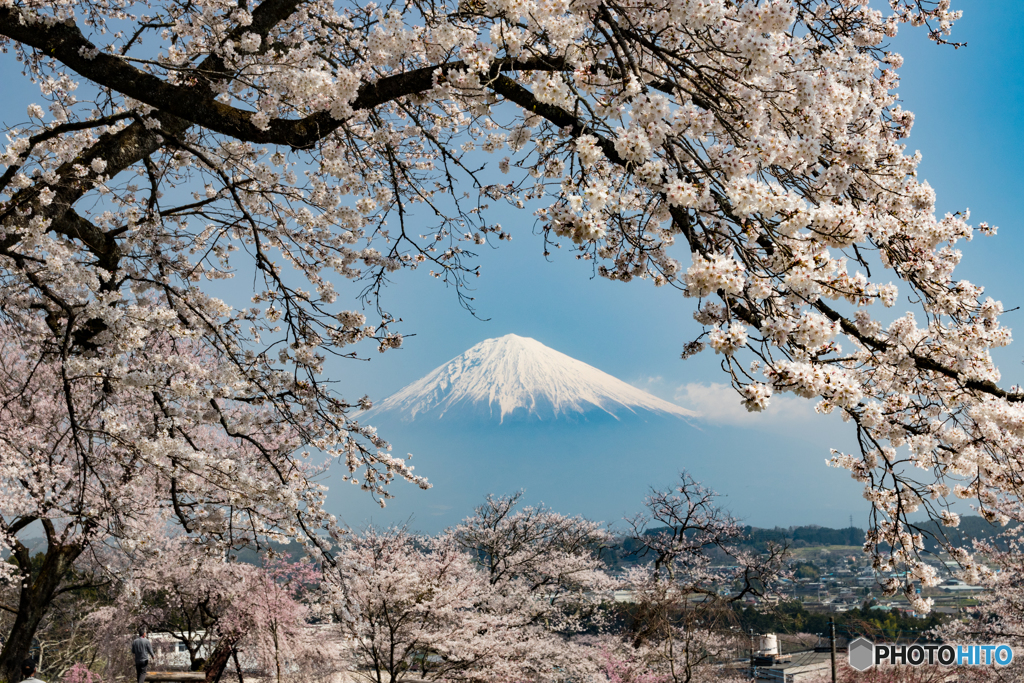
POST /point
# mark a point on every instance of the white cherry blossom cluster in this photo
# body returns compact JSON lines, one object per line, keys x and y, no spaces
{"x":756,"y":396}
{"x":728,"y":340}
{"x":708,"y":276}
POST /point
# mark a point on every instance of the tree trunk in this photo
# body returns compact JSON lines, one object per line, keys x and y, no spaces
{"x":37,"y":592}
{"x":218,"y":659}
{"x":238,"y":665}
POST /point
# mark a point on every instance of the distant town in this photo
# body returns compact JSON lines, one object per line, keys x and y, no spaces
{"x":830,"y":576}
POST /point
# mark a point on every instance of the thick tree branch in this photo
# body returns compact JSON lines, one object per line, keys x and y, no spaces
{"x":67,"y":44}
{"x":920,"y":362}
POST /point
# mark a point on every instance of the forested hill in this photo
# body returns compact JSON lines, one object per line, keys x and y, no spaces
{"x":971,"y":527}
{"x":756,"y":539}
{"x":803,"y":536}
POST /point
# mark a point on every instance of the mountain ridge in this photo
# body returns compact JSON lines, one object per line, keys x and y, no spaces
{"x":519,"y":377}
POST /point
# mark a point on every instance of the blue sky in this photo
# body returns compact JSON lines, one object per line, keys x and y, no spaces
{"x":969,"y":105}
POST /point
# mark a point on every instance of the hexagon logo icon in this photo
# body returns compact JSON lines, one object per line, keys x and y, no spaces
{"x":862,"y":654}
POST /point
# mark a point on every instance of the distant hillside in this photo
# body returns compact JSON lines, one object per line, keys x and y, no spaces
{"x":622,"y":553}
{"x":971,"y":527}
{"x":803,"y":536}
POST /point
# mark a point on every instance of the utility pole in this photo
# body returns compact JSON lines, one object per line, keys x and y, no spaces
{"x":832,"y":644}
{"x":753,"y":671}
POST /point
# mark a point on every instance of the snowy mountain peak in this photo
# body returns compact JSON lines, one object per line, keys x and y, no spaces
{"x":519,"y":376}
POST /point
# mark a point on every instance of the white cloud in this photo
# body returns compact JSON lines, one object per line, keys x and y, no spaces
{"x":438,"y":510}
{"x":720,"y":404}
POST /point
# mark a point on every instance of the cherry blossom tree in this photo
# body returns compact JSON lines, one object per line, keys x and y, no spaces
{"x":63,"y":637}
{"x":177,"y":588}
{"x":272,"y":613}
{"x":627,"y":669}
{"x":418,"y":607}
{"x":215,"y":608}
{"x":296,"y":140}
{"x":112,"y":470}
{"x":79,"y":673}
{"x":998,"y":616}
{"x":425,"y":608}
{"x":540,"y":558}
{"x":677,"y":635}
{"x":680,"y":615}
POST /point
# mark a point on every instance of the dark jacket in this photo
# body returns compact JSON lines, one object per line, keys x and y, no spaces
{"x":142,"y":650}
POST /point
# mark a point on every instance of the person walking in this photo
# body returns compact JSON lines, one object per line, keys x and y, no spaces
{"x":28,"y":670}
{"x":142,"y":650}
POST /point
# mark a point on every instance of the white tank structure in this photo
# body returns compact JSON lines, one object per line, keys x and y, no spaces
{"x":769,"y":645}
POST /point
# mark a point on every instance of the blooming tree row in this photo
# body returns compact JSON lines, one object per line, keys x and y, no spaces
{"x":521,"y":593}
{"x":513,"y":593}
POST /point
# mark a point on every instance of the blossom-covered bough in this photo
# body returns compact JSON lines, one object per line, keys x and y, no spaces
{"x":296,"y":140}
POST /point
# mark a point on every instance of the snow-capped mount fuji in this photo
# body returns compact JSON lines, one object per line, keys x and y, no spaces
{"x":517,"y":378}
